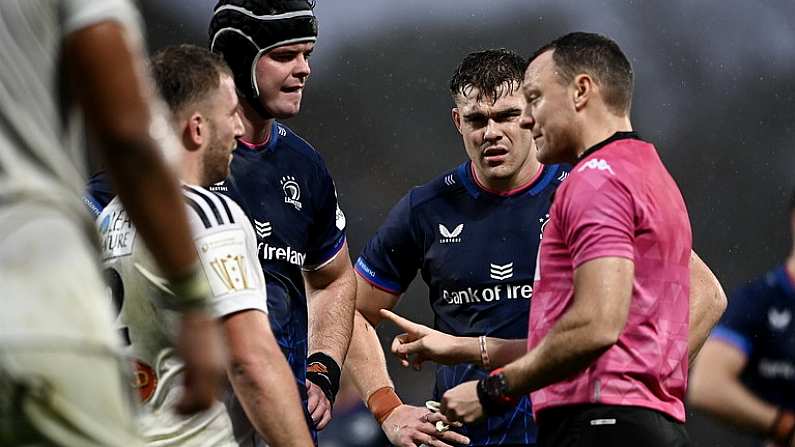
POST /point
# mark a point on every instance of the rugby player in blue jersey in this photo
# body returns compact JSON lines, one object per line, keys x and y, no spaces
{"x":283,"y":185}
{"x":473,"y":232}
{"x":746,"y":375}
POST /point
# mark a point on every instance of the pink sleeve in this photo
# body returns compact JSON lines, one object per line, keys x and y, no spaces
{"x":598,"y":217}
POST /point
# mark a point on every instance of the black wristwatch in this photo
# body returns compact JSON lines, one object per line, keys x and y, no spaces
{"x":493,"y":393}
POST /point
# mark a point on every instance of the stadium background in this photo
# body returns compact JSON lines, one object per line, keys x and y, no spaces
{"x":713,"y":91}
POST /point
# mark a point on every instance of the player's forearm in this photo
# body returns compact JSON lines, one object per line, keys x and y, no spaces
{"x":502,"y":351}
{"x":267,"y":391}
{"x":151,"y":196}
{"x":331,"y":316}
{"x":132,"y":136}
{"x":727,"y":399}
{"x":573,"y":344}
{"x":366,"y":365}
{"x":707,"y":304}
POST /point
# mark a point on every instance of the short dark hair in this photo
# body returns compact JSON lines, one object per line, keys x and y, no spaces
{"x":598,"y":56}
{"x":185,"y":73}
{"x":490,"y":71}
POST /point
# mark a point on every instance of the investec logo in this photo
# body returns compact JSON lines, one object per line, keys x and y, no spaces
{"x":488,"y":294}
{"x":450,"y":236}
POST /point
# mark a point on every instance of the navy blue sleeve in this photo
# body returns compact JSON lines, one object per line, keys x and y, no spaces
{"x":98,"y":193}
{"x":739,"y":323}
{"x":391,"y":258}
{"x":327,"y":234}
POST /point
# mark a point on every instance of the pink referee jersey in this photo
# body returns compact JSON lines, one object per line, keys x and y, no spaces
{"x":620,"y":201}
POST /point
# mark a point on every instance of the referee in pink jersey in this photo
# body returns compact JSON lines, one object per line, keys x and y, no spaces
{"x":609,"y":333}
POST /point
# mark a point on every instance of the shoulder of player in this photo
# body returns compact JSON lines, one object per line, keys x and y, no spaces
{"x":211,"y":209}
{"x":297,"y":145}
{"x":440,"y":188}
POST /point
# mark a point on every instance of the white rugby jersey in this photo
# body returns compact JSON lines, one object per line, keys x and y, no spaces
{"x":227,"y":249}
{"x":42,"y":152}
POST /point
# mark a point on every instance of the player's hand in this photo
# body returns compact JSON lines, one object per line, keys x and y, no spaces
{"x":318,"y":405}
{"x":420,"y":343}
{"x":199,"y":346}
{"x":410,"y":426}
{"x":461,"y":403}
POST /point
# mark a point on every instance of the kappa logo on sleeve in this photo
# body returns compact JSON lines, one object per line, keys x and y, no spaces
{"x":598,"y":164}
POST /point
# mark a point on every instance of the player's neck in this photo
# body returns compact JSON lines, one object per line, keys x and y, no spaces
{"x":507,"y":186}
{"x":602,"y":127}
{"x":190,"y":169}
{"x":256,"y":128}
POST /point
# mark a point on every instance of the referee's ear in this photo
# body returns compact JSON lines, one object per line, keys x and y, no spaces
{"x":455,"y":114}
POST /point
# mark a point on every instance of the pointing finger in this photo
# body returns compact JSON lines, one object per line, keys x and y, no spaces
{"x":403,"y":323}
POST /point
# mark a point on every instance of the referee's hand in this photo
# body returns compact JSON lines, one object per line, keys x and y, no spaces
{"x":199,"y":346}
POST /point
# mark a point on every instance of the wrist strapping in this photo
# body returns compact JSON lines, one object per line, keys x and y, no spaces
{"x":382,"y":403}
{"x":783,"y":428}
{"x":190,"y":292}
{"x":324,"y":372}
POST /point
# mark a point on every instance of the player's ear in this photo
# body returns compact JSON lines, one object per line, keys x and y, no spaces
{"x":195,"y":131}
{"x":583,"y":87}
{"x":456,"y":116}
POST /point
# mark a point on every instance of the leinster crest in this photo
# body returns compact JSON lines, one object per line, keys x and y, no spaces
{"x":292,"y":192}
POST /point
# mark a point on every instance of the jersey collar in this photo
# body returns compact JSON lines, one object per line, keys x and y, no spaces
{"x":542,"y":179}
{"x":268,"y":145}
{"x":615,"y":137}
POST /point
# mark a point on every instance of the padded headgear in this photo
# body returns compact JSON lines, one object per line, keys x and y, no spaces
{"x":243,"y":30}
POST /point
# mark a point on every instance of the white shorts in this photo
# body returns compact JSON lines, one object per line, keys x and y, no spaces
{"x":62,"y":379}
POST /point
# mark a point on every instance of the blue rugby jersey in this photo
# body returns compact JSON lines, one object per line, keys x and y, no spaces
{"x":758,"y":322}
{"x":288,"y":194}
{"x":476,"y":251}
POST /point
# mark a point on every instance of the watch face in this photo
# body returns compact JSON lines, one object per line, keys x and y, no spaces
{"x":495,"y":386}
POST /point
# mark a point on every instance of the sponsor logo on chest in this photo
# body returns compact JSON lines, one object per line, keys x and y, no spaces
{"x":779,"y":319}
{"x":472,"y":295}
{"x":448,"y":237}
{"x":269,"y":252}
{"x":117,"y":234}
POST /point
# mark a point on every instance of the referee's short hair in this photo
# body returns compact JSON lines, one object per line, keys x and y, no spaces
{"x":601,"y":58}
{"x":185,"y":74}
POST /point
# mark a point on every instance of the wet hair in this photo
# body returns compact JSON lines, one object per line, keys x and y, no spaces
{"x":185,"y":74}
{"x":494,"y":73}
{"x":598,"y":56}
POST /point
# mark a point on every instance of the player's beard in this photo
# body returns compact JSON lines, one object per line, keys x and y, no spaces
{"x":216,"y":159}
